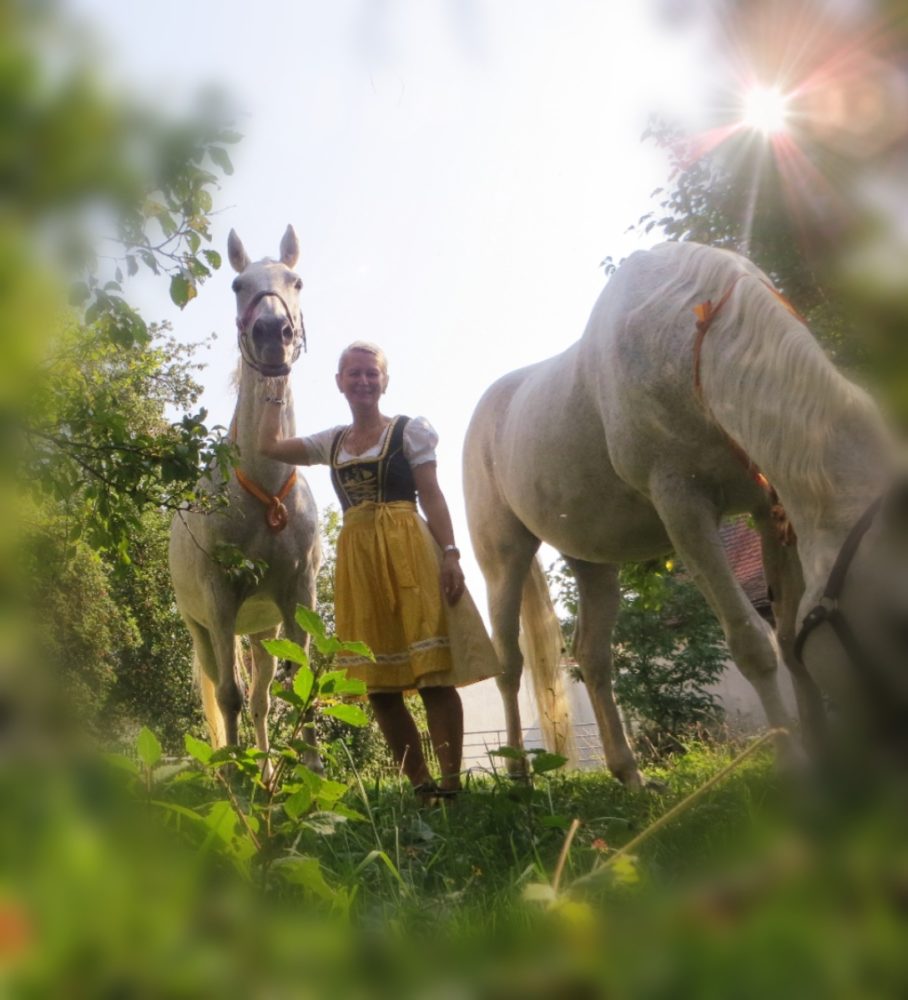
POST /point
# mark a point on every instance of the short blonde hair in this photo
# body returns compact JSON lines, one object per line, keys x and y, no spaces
{"x":367,"y":348}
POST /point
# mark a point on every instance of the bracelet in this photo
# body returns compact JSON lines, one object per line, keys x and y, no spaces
{"x":451,"y":548}
{"x":275,"y":399}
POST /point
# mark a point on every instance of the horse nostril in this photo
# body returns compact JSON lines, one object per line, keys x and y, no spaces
{"x":271,"y":329}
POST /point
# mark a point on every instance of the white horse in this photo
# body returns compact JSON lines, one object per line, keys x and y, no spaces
{"x":643,"y":434}
{"x":270,"y":515}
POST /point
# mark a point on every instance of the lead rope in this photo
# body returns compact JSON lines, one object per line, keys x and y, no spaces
{"x":706,"y":313}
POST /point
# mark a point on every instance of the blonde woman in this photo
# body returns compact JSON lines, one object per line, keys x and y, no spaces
{"x":398,"y":586}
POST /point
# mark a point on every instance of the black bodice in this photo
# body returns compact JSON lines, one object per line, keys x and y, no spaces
{"x":382,"y":478}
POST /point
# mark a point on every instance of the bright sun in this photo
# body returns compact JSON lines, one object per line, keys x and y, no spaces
{"x":765,"y":109}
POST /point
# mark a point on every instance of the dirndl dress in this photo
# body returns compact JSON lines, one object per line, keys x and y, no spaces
{"x":387,"y":587}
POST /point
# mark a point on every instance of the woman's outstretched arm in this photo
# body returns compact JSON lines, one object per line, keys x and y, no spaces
{"x":270,"y":443}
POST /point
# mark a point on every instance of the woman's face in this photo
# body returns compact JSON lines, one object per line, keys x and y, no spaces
{"x":361,"y":380}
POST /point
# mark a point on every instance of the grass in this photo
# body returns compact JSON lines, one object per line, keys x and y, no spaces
{"x":749,"y":892}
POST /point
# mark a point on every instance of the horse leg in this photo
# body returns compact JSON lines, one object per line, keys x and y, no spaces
{"x":692,"y":523}
{"x":504,"y":557}
{"x":786,"y":587}
{"x":264,"y":665}
{"x":216,"y":656}
{"x":597,"y":589}
{"x":206,"y":676}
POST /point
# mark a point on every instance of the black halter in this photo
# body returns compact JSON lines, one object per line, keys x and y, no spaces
{"x":828,"y":611}
{"x":299,"y":335}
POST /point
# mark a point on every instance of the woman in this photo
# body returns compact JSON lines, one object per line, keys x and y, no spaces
{"x":393,"y":567}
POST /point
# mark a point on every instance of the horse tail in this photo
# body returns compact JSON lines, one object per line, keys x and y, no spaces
{"x":210,"y":708}
{"x":543,"y":645}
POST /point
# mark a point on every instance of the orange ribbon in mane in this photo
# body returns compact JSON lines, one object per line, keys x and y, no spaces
{"x":276,"y":515}
{"x":706,"y":313}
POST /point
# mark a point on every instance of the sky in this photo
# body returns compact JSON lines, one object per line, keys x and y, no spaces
{"x":456,"y":171}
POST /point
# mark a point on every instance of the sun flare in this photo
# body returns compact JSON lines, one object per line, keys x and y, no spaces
{"x":765,"y":110}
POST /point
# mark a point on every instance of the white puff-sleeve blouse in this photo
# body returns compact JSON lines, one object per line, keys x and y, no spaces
{"x":420,"y":441}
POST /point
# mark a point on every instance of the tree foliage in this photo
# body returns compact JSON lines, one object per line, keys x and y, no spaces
{"x":667,"y":649}
{"x":96,"y":190}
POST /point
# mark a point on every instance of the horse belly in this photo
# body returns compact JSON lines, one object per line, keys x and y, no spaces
{"x":562,"y":486}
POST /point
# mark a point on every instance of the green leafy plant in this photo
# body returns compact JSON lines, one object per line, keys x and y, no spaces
{"x":249,"y":808}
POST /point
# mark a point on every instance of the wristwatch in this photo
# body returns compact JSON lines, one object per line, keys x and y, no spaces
{"x":451,"y":548}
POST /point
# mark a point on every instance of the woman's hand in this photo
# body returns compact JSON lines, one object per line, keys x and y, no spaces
{"x":452,"y":581}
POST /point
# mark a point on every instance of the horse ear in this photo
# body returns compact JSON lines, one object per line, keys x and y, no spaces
{"x":236,"y":252}
{"x":290,"y":248}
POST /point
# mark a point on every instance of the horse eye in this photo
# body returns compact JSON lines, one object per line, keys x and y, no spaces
{"x":237,"y":285}
{"x":298,"y":284}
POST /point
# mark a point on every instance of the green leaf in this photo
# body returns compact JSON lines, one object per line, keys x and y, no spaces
{"x":221,"y":819}
{"x":353,"y":715}
{"x":298,"y":803}
{"x":197,"y":748}
{"x":303,"y":683}
{"x":213,"y":258}
{"x":148,"y":747}
{"x":306,"y":872}
{"x":309,"y":621}
{"x":325,"y":822}
{"x":329,"y":792}
{"x":181,"y":290}
{"x":287,"y":649}
{"x":386,"y":861}
{"x":510,"y":753}
{"x":221,"y":158}
{"x":545,"y":761}
{"x":179,"y":810}
{"x":123,"y":763}
{"x":337,"y":682}
{"x":327,"y":645}
{"x":279,"y":691}
{"x":358,"y":648}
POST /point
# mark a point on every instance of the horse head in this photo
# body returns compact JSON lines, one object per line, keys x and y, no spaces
{"x":855,"y":640}
{"x":269,"y":322}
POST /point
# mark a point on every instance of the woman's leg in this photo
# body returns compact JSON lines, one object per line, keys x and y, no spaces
{"x":444,"y":713}
{"x":401,"y":734}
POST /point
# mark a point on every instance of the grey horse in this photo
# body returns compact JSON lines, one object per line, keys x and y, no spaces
{"x":693,"y":384}
{"x":270,"y":516}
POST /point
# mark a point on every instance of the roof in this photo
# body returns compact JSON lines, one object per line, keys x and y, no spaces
{"x":745,"y":554}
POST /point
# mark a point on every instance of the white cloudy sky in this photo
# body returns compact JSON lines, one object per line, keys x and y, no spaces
{"x":456,"y":171}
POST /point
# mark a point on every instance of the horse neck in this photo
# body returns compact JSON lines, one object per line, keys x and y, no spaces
{"x":267,"y":472}
{"x":819,"y":439}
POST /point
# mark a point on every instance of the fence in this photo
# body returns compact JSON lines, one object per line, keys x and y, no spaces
{"x":476,"y":746}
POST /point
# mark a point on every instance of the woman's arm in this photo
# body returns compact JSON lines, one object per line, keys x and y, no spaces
{"x":270,"y":443}
{"x":438,"y":517}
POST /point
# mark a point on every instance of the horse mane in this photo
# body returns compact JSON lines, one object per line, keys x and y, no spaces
{"x":767,"y":381}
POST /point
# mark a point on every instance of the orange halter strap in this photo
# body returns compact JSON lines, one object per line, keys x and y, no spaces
{"x":706,"y":313}
{"x":276,"y":515}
